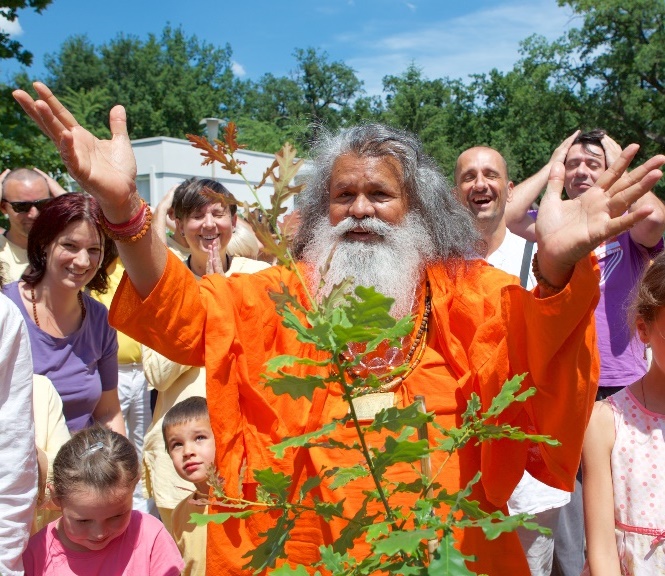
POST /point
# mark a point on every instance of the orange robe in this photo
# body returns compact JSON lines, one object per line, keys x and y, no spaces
{"x":483,"y":329}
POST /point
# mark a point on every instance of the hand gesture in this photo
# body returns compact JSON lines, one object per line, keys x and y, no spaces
{"x":2,"y":179}
{"x":104,"y":168}
{"x":214,"y":265}
{"x":612,"y":150}
{"x":559,"y":155}
{"x":53,"y":187}
{"x":568,"y":230}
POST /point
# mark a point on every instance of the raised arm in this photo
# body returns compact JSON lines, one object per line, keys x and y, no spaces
{"x":649,"y":231}
{"x":53,"y":187}
{"x":518,"y":219}
{"x":106,"y":169}
{"x":568,"y":230}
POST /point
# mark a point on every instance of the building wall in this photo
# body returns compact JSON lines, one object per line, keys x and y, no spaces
{"x":165,"y":162}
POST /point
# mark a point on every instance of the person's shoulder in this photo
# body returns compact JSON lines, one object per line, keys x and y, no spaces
{"x":243,"y":265}
{"x":94,"y":307}
{"x":7,"y":306}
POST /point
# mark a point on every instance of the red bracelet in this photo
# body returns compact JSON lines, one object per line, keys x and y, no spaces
{"x":133,"y":230}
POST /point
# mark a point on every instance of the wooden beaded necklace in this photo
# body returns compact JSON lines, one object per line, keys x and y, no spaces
{"x":34,"y":306}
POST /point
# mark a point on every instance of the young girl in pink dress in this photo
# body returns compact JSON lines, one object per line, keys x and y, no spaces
{"x":94,"y":475}
{"x":623,"y":457}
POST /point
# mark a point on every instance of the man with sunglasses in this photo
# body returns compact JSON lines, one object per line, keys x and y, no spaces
{"x":23,"y":193}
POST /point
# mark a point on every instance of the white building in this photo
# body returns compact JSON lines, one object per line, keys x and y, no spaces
{"x":163,"y":162}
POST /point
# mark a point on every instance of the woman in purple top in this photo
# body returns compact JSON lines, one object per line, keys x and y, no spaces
{"x":72,"y":342}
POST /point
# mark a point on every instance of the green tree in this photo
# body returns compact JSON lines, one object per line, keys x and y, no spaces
{"x":167,"y":84}
{"x":9,"y":11}
{"x":327,"y":87}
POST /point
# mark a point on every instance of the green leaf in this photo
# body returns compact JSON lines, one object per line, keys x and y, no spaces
{"x":220,"y":518}
{"x":403,"y":542}
{"x":496,"y":524}
{"x":328,"y":510}
{"x":296,"y":386}
{"x":275,"y":483}
{"x":378,"y":530}
{"x":395,"y":419}
{"x":449,"y":560}
{"x":310,"y":484}
{"x":405,"y":451}
{"x":303,"y":439}
{"x":287,"y":570}
{"x":506,"y":396}
{"x":271,"y":547}
{"x":334,"y":561}
{"x":342,"y":476}
{"x":286,"y":361}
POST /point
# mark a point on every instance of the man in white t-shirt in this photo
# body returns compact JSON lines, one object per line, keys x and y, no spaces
{"x":482,"y":184}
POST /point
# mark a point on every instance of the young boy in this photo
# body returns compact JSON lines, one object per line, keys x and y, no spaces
{"x":191,"y":445}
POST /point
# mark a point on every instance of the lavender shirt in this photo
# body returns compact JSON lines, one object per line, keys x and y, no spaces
{"x":81,"y":365}
{"x":622,"y":262}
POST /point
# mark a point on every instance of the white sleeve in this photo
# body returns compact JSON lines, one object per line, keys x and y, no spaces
{"x":18,"y":459}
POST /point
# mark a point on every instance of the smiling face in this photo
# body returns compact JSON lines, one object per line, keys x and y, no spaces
{"x":481,"y":184}
{"x":91,"y":520}
{"x":74,"y":256}
{"x":366,"y":187}
{"x":191,"y":446}
{"x":584,"y":164}
{"x":205,"y":225}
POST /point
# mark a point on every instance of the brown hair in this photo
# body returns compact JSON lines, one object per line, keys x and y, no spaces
{"x":192,"y":408}
{"x":95,"y":457}
{"x":53,"y":219}
{"x":649,"y":294}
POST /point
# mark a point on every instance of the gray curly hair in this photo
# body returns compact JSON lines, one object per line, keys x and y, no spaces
{"x":449,"y":224}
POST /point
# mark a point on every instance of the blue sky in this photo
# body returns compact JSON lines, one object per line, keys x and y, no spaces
{"x":375,"y":37}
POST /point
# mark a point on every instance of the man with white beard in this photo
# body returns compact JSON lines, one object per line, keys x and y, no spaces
{"x":473,"y":328}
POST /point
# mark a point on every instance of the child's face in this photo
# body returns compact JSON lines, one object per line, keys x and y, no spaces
{"x":91,"y":519}
{"x":192,"y":448}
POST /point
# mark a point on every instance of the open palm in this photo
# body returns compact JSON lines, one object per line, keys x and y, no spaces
{"x":567,"y":230}
{"x":104,"y":168}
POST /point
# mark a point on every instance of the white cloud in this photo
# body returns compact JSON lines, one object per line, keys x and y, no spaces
{"x":11,"y":28}
{"x":410,"y":6}
{"x":237,"y":69}
{"x":472,"y":44}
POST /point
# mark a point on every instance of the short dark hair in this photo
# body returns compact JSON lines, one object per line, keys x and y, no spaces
{"x":189,"y":196}
{"x":53,"y":218}
{"x":192,"y":408}
{"x":97,"y":458}
{"x":591,"y":138}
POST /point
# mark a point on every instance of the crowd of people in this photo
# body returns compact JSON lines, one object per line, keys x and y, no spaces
{"x":101,"y":480}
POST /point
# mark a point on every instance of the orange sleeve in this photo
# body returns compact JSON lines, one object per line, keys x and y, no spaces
{"x":553,"y":341}
{"x":170,"y":320}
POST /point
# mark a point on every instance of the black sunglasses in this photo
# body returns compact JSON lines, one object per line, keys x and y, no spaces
{"x":21,"y":207}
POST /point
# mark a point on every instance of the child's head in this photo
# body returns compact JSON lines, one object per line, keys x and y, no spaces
{"x":649,"y":299}
{"x":189,"y":440}
{"x":94,"y":475}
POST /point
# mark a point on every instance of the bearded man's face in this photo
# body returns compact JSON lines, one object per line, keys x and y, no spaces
{"x":372,"y":237}
{"x":366,"y":187}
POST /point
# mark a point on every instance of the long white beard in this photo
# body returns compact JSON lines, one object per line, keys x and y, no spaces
{"x":393,"y":263}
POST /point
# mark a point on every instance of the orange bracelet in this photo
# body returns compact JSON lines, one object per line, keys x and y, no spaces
{"x":542,"y":282}
{"x":132,"y":230}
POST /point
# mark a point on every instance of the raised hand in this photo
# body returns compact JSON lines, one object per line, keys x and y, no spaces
{"x":104,"y":168}
{"x":568,"y":230}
